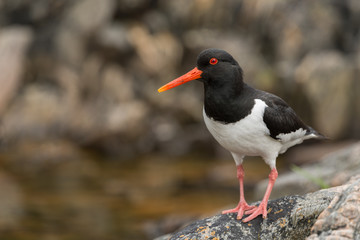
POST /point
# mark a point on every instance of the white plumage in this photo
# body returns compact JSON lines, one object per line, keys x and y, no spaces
{"x":250,"y":136}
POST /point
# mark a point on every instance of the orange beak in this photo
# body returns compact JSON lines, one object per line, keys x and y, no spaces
{"x":192,"y":75}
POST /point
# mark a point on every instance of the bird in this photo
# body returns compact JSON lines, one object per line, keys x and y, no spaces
{"x":244,"y":120}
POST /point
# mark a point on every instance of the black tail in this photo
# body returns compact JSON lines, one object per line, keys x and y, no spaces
{"x":317,"y":134}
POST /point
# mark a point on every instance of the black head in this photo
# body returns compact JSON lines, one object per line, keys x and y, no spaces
{"x":215,"y":68}
{"x":218,"y":67}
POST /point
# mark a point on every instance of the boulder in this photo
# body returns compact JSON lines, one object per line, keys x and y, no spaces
{"x":290,"y":217}
{"x":342,"y":218}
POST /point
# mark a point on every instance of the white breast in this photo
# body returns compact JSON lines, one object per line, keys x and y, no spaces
{"x":247,"y":137}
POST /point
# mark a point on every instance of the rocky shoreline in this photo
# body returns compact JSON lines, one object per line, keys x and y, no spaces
{"x":332,"y":213}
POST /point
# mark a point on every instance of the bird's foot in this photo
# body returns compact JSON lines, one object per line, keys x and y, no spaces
{"x":259,"y":210}
{"x":241,"y":208}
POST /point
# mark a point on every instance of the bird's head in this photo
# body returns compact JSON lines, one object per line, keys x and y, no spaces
{"x":215,"y":67}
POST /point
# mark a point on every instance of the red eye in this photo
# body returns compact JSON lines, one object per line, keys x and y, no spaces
{"x":213,"y":61}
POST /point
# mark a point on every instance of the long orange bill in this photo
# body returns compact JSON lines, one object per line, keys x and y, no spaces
{"x":192,"y":75}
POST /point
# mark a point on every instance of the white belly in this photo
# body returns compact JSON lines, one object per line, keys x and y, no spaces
{"x":247,"y":137}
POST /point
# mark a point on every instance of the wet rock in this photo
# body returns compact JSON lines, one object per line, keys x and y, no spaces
{"x":333,"y":169}
{"x":289,"y":218}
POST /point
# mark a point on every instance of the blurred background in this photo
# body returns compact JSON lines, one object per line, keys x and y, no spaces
{"x":89,"y":148}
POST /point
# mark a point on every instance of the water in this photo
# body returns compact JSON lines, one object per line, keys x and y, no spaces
{"x":55,"y":191}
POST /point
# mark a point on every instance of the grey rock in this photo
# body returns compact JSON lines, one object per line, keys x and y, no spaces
{"x":34,"y":114}
{"x":69,"y":45}
{"x":81,"y":20}
{"x":332,"y":213}
{"x":289,"y":217}
{"x":89,"y":15}
{"x":115,"y":37}
{"x":341,"y":220}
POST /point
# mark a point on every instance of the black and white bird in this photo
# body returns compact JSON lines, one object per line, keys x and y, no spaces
{"x":244,"y":120}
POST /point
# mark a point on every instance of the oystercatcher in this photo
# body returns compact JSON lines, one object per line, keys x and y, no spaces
{"x":244,"y":120}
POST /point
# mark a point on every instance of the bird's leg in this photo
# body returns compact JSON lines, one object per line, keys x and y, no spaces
{"x":262,"y":208}
{"x":242,"y":205}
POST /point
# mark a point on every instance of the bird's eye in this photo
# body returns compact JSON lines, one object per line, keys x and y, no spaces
{"x":213,"y":61}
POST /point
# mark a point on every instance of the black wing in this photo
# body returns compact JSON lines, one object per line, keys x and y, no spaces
{"x":280,"y":118}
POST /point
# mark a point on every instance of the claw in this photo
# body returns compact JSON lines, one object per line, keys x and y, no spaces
{"x":260,"y":210}
{"x":240,"y":209}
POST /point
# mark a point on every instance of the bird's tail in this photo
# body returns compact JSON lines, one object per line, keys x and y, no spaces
{"x":317,"y":134}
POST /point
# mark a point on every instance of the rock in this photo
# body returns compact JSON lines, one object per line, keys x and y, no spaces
{"x":117,"y":86}
{"x":328,"y":79}
{"x":342,"y":218}
{"x":87,"y":16}
{"x":158,"y":52}
{"x":331,"y":212}
{"x":127,"y":8}
{"x":334,"y":169}
{"x":81,"y":20}
{"x":69,"y":46}
{"x":14,"y":42}
{"x":289,"y":217}
{"x":124,"y":116}
{"x":34,"y":114}
{"x":114,"y":37}
{"x":168,"y":224}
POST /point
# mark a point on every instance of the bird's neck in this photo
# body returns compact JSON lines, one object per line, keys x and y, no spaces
{"x":227,"y":103}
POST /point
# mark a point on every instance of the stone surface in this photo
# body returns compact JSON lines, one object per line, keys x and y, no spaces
{"x":289,"y":218}
{"x":332,"y":213}
{"x":341,"y":220}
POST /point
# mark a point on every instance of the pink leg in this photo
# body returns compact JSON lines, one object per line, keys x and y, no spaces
{"x":262,"y":208}
{"x":242,"y":205}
